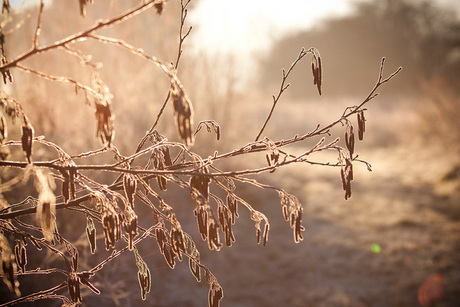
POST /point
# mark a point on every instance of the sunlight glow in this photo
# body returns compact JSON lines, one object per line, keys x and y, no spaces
{"x":241,"y":25}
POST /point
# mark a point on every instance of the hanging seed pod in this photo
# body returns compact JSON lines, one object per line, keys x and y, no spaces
{"x":202,"y":220}
{"x":3,"y":129}
{"x":265,"y":236}
{"x":129,"y":185}
{"x":215,"y":294}
{"x":213,"y":235}
{"x":20,"y":256}
{"x":91,"y":234}
{"x":201,"y":183}
{"x":183,"y":112}
{"x":46,"y":208}
{"x":27,"y":138}
{"x":361,"y":124}
{"x":104,"y":119}
{"x":177,"y":241}
{"x":350,"y":139}
{"x":73,"y":285}
{"x":232,"y":204}
{"x":319,"y":76}
{"x":130,"y":226}
{"x":143,"y":274}
{"x":170,"y":257}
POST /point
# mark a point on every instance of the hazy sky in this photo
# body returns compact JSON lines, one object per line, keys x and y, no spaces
{"x":231,"y":25}
{"x":250,"y":25}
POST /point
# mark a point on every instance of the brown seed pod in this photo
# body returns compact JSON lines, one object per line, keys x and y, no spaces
{"x":183,"y":113}
{"x":215,"y":294}
{"x":232,"y":204}
{"x":91,"y":234}
{"x":265,"y":236}
{"x":319,"y":76}
{"x":104,"y":119}
{"x":361,"y":125}
{"x":73,"y":285}
{"x":27,"y":138}
{"x":350,"y":139}
{"x":3,"y":129}
{"x":129,"y":186}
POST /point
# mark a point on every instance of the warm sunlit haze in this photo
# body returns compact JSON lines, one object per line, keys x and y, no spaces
{"x":177,"y":150}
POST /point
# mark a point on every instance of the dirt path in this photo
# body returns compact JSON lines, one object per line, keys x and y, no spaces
{"x":401,"y":225}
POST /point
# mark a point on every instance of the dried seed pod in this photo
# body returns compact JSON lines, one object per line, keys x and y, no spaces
{"x":183,"y":113}
{"x":91,"y":234}
{"x":104,"y":119}
{"x":313,"y":70}
{"x":161,"y":239}
{"x":46,"y":209}
{"x":319,"y":75}
{"x":130,"y":226}
{"x":201,"y":183}
{"x":73,"y":284}
{"x":285,"y":213}
{"x":3,"y":129}
{"x":27,"y":138}
{"x":202,"y":220}
{"x":21,"y":256}
{"x":177,"y":241}
{"x":361,"y":125}
{"x":350,"y":139}
{"x":129,"y":185}
{"x":265,"y":236}
{"x":232,"y":204}
{"x":170,"y":257}
{"x":111,"y":223}
{"x":215,"y":294}
{"x":213,"y":235}
{"x":143,"y":274}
